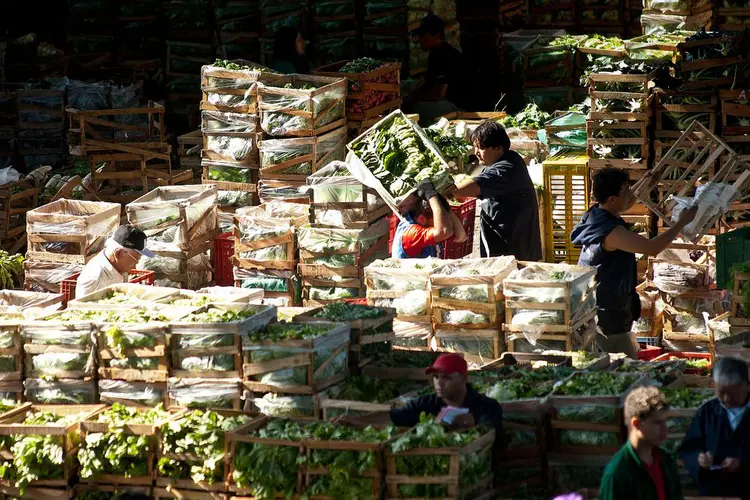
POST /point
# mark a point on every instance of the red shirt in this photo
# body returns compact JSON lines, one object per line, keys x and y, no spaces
{"x":657,"y":475}
{"x":416,"y":238}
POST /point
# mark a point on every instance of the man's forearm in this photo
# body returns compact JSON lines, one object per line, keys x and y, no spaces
{"x":441,"y":217}
{"x":467,"y":189}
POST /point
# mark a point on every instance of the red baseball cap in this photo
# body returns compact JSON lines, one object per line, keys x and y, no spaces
{"x":448,"y":363}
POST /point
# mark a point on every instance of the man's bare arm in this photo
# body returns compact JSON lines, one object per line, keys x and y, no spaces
{"x":459,"y":234}
{"x":442,"y":226}
{"x":628,"y":241}
{"x":466,"y":189}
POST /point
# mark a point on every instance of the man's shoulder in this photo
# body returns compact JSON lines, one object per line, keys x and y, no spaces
{"x":619,"y":464}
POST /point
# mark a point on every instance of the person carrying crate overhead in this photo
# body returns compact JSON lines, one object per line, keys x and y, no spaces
{"x":610,"y":247}
{"x":429,"y":222}
{"x":121,"y":254}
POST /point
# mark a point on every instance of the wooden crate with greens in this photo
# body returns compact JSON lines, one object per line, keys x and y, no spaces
{"x":302,"y":105}
{"x":41,"y":444}
{"x":664,"y":372}
{"x":711,"y":60}
{"x":116,"y":429}
{"x":683,"y":404}
{"x":371,"y":327}
{"x":549,"y":62}
{"x":618,"y":143}
{"x":459,"y":467}
{"x":674,"y":111}
{"x":296,"y":358}
{"x":402,"y":365}
{"x":362,"y":394}
{"x":620,"y":90}
{"x":232,"y":86}
{"x":294,"y":159}
{"x":263,"y":242}
{"x":586,"y":412}
{"x":193,"y":449}
{"x":207,"y":343}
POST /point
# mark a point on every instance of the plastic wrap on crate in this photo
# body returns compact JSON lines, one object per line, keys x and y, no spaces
{"x":440,"y":176}
{"x":477,"y":343}
{"x":238,"y":149}
{"x":329,"y":147}
{"x":159,"y":214}
{"x":213,"y":93}
{"x":269,"y":190}
{"x":322,"y":347}
{"x":47,"y":276}
{"x":281,"y":208}
{"x":277,"y":405}
{"x":223,"y":294}
{"x":411,"y":303}
{"x":189,"y":329}
{"x":204,"y":393}
{"x":401,"y":275}
{"x":581,"y":293}
{"x":270,"y":280}
{"x":653,"y":23}
{"x":19,"y":301}
{"x":131,"y":393}
{"x":162,"y":264}
{"x":335,"y":184}
{"x":475,"y":275}
{"x":712,"y":200}
{"x":218,"y":122}
{"x":675,"y":277}
{"x":323,"y":239}
{"x":255,"y":225}
{"x":60,"y":391}
{"x":231,"y":199}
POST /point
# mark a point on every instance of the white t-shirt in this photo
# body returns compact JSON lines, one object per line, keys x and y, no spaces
{"x":97,"y":274}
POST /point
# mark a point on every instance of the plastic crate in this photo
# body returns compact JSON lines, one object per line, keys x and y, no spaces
{"x":731,"y":248}
{"x":223,"y":252}
{"x":649,"y":341}
{"x":649,"y":352}
{"x":68,"y":285}
{"x":360,"y":301}
{"x":466,"y":213}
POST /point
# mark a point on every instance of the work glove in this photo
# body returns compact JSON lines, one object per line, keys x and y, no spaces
{"x":426,"y":190}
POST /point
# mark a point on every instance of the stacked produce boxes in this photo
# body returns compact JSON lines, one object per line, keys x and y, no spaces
{"x":41,"y":126}
{"x":63,"y":236}
{"x":336,"y":36}
{"x":548,"y":62}
{"x":618,"y":132}
{"x":468,"y":306}
{"x":374,"y":90}
{"x":676,"y":15}
{"x":552,"y":305}
{"x":182,"y":222}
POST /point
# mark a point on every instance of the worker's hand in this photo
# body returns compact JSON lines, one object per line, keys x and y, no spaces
{"x":687,"y":216}
{"x":730,"y":465}
{"x":426,"y":190}
{"x":465,"y":421}
{"x":706,"y":460}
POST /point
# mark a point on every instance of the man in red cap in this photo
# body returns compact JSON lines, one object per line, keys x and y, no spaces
{"x":455,"y":402}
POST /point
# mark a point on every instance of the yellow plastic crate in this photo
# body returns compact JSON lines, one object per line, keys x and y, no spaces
{"x":566,"y":199}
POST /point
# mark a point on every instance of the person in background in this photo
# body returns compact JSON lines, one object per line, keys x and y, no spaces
{"x":120,"y":255}
{"x":509,"y":211}
{"x":641,"y":470}
{"x":289,"y":52}
{"x":610,"y":246}
{"x":431,"y":221}
{"x":716,"y":448}
{"x":444,"y":90}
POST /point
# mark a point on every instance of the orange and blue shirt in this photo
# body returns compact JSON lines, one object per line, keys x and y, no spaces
{"x":413,"y":241}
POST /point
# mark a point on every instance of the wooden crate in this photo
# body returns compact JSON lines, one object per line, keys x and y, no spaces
{"x":737,"y":317}
{"x":48,"y":335}
{"x":733,"y":111}
{"x":16,"y":200}
{"x":302,"y":356}
{"x":581,"y":337}
{"x":91,"y":426}
{"x":229,"y":338}
{"x":187,"y":154}
{"x":82,"y":226}
{"x":709,"y":148}
{"x":677,"y":290}
{"x":81,"y":489}
{"x":277,"y":101}
{"x":731,"y":18}
{"x":106,"y":354}
{"x":332,"y":405}
{"x":491,"y":273}
{"x":308,"y":269}
{"x":11,"y":424}
{"x":451,"y":480}
{"x":289,"y":278}
{"x":247,"y":173}
{"x":366,"y":334}
{"x":10,"y":339}
{"x":195,"y":54}
{"x":310,"y":299}
{"x":641,"y":85}
{"x":234,"y":91}
{"x":286,"y":239}
{"x":560,"y":403}
{"x":399,"y":372}
{"x":185,"y":494}
{"x":297,"y":154}
{"x":207,"y":394}
{"x":371,"y":93}
{"x":665,"y":128}
{"x":170,"y":206}
{"x":640,"y":140}
{"x":48,"y":103}
{"x":731,"y":54}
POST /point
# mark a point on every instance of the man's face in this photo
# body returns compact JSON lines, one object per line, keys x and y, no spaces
{"x":428,"y":41}
{"x":125,"y":260}
{"x":488,"y":156}
{"x":734,"y":395}
{"x":653,"y":429}
{"x":622,"y":200}
{"x":448,"y":385}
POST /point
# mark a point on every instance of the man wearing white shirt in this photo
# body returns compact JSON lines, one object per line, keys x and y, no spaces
{"x":120,"y":255}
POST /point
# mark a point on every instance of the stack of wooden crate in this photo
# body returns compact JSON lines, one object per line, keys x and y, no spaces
{"x":183,"y":62}
{"x":693,"y":15}
{"x":127,"y":151}
{"x":62,"y":236}
{"x":41,"y":127}
{"x":552,"y":305}
{"x":712,"y":62}
{"x":372,"y":94}
{"x":617,"y":128}
{"x":181,"y":223}
{"x":238,"y":28}
{"x":334,"y":27}
{"x":231,"y":131}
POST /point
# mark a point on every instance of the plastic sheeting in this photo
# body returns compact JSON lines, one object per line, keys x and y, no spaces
{"x":62,"y":391}
{"x":712,"y":200}
{"x":327,"y":108}
{"x":204,"y":393}
{"x":119,"y":391}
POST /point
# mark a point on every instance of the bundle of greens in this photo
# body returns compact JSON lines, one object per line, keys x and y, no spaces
{"x":531,"y":118}
{"x":361,"y":65}
{"x":134,"y":315}
{"x":267,"y":470}
{"x":606,"y":129}
{"x":525,"y":384}
{"x":618,"y":67}
{"x":215,"y":314}
{"x":374,"y":390}
{"x":452,"y":147}
{"x":116,"y":451}
{"x":595,"y":384}
{"x":232,"y":65}
{"x":11,"y":270}
{"x":199,"y":435}
{"x":681,"y":120}
{"x":687,"y":397}
{"x":398,"y":157}
{"x":120,"y":298}
{"x":341,"y":311}
{"x":431,"y":434}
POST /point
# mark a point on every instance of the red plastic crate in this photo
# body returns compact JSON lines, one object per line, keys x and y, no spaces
{"x":223,"y":253}
{"x":466,"y":213}
{"x":649,"y":352}
{"x":68,"y":285}
{"x":359,"y":302}
{"x":688,"y":355}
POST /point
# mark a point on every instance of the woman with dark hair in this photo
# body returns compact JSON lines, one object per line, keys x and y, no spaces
{"x":289,"y":52}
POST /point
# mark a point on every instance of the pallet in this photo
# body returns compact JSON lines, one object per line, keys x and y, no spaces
{"x":302,"y":356}
{"x":665,"y":129}
{"x":312,"y":153}
{"x":276,"y":100}
{"x":642,"y":140}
